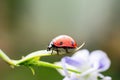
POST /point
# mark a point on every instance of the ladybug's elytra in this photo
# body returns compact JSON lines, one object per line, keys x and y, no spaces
{"x":62,"y":42}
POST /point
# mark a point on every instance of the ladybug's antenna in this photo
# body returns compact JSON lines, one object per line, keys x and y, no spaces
{"x":80,"y":47}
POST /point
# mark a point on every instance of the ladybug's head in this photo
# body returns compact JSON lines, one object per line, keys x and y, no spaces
{"x":50,"y":46}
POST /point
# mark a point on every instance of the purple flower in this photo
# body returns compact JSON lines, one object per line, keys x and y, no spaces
{"x":88,"y":64}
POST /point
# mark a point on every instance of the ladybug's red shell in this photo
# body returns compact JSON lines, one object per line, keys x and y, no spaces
{"x":64,"y":41}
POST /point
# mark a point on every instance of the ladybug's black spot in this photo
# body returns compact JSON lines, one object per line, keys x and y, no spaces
{"x":61,"y":43}
{"x":72,"y":43}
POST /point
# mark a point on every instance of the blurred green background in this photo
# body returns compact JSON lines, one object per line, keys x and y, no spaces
{"x":29,"y":25}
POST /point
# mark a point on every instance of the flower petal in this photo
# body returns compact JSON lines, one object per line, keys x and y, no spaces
{"x":72,"y":77}
{"x":107,"y":78}
{"x":71,"y":61}
{"x":63,"y":61}
{"x":60,"y":70}
{"x":104,"y":77}
{"x":66,"y":62}
{"x":99,"y":60}
{"x":81,"y":56}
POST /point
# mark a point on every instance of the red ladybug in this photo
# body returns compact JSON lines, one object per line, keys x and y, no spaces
{"x":62,"y":42}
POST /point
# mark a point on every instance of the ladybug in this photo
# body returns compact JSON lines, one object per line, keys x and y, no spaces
{"x":62,"y":42}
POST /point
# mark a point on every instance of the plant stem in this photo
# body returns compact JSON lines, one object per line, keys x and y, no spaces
{"x":6,"y":58}
{"x":28,"y":60}
{"x":46,"y":64}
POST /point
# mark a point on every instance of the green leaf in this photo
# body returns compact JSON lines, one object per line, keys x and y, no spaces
{"x":33,"y":71}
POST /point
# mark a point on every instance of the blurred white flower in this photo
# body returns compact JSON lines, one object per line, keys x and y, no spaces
{"x":88,"y":64}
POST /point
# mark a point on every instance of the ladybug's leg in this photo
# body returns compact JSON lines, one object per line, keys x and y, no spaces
{"x":52,"y":52}
{"x":66,"y":49}
{"x":57,"y":51}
